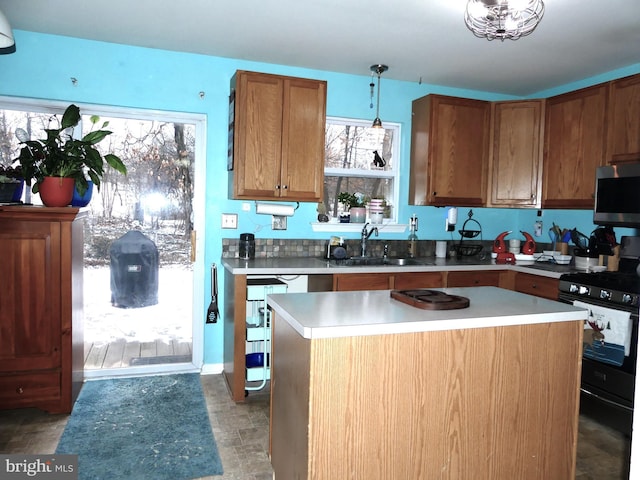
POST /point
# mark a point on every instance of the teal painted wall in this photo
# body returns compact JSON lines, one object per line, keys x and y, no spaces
{"x":119,"y":75}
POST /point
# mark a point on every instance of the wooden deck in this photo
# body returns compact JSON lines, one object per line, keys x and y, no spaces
{"x":121,"y":354}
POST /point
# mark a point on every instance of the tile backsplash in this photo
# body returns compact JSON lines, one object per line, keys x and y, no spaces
{"x":271,"y":247}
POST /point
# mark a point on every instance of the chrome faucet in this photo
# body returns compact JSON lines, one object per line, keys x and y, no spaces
{"x":365,"y":236}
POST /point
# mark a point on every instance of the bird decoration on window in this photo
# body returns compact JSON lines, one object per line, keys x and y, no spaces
{"x":378,"y":161}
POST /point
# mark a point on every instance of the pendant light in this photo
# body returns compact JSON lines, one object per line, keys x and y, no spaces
{"x":378,"y":70}
{"x":7,"y":44}
{"x":503,"y":19}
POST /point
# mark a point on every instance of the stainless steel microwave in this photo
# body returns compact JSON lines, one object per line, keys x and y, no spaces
{"x":618,"y":195}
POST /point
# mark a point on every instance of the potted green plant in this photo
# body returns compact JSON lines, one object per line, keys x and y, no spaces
{"x":354,"y":203}
{"x":63,"y":162}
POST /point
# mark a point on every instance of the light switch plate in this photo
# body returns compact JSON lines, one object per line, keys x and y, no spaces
{"x":229,"y":220}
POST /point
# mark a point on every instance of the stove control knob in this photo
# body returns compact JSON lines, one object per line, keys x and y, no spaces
{"x":626,"y":298}
{"x":605,"y":294}
{"x":582,"y":290}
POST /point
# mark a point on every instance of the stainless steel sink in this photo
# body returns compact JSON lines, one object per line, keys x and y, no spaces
{"x":405,"y":261}
{"x":378,"y":262}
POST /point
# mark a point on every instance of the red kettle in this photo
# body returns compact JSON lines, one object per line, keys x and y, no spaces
{"x":499,"y":245}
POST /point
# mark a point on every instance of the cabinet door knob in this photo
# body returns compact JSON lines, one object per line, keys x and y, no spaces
{"x":277,"y":187}
{"x":19,"y":390}
{"x":435,"y":193}
{"x":285,"y":187}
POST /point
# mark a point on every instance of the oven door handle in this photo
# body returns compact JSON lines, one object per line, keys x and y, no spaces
{"x":606,"y":400}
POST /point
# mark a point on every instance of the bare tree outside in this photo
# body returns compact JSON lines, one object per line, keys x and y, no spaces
{"x":156,"y":194}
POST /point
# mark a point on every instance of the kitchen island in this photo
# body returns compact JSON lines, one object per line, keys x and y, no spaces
{"x":365,"y":386}
{"x":324,"y":275}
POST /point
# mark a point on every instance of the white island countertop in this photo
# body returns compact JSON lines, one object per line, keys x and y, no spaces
{"x":362,"y":313}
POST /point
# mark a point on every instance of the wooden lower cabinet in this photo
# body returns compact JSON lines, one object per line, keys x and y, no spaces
{"x":544,"y":287}
{"x":350,"y":282}
{"x":477,"y":404}
{"x":476,"y":278}
{"x":41,"y":303}
{"x":386,"y":281}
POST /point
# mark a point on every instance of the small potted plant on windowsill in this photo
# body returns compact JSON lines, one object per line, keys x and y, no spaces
{"x":61,"y":162}
{"x":354,"y":203}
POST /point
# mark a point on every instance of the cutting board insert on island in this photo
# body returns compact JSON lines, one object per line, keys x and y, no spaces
{"x":365,"y":386}
{"x":430,"y":299}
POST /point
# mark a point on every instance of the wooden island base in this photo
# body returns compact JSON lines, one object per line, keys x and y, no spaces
{"x":482,"y":403}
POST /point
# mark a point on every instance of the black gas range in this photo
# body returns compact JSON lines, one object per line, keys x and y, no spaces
{"x":607,"y":389}
{"x":620,"y":290}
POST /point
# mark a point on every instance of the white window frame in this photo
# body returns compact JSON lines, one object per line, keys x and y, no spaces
{"x":393,"y":173}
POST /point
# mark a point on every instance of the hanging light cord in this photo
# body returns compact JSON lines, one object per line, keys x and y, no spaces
{"x":371,"y":87}
{"x":378,"y":100}
{"x":378,"y":70}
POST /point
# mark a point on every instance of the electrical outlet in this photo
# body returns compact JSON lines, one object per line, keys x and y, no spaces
{"x":229,"y":220}
{"x":278,"y":222}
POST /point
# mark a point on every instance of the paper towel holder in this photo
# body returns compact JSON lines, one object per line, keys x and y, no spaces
{"x":281,"y":210}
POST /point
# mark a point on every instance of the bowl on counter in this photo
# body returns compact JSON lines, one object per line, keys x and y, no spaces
{"x":563,"y":259}
{"x":598,"y":268}
{"x":585,"y":263}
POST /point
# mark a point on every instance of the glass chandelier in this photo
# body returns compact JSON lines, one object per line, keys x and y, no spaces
{"x":503,"y":19}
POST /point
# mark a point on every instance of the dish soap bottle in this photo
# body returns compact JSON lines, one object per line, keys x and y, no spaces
{"x":413,"y":238}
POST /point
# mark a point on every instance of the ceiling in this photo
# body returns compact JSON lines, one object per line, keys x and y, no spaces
{"x":420,"y":40}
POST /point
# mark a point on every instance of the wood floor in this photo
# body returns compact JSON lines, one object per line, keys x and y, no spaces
{"x":122,"y":353}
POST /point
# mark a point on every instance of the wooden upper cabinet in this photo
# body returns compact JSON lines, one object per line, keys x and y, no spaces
{"x":574,"y":146}
{"x":516,"y":154}
{"x":624,"y":120}
{"x":277,"y":124}
{"x":449,"y":151}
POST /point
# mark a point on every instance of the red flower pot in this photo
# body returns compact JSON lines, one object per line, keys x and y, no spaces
{"x":56,"y":191}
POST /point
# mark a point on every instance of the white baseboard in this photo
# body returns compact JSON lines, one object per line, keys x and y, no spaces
{"x":211,"y":369}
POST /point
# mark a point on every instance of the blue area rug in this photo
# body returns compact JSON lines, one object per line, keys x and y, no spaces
{"x":154,"y":428}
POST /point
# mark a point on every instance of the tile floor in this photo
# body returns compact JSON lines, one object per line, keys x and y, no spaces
{"x":242,"y":436}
